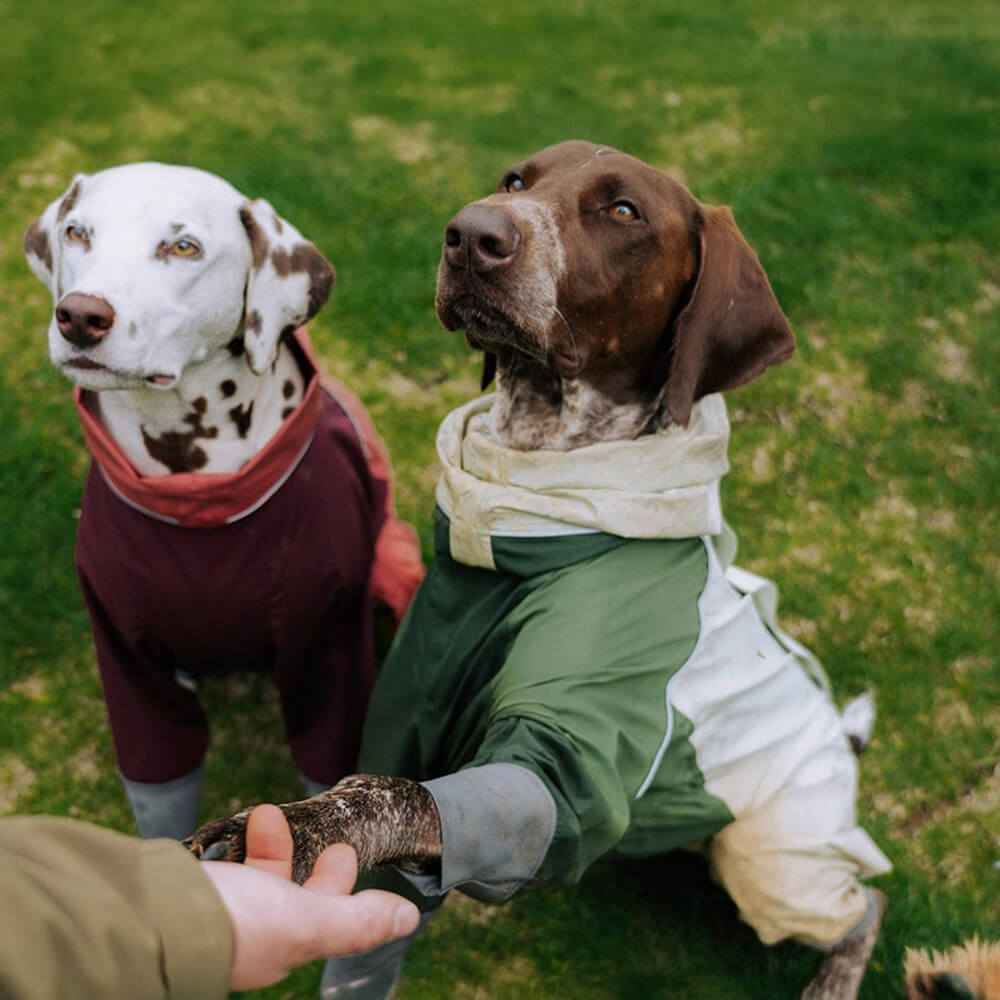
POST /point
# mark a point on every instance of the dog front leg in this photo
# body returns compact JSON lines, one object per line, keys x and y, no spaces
{"x":386,"y":821}
{"x":841,"y":971}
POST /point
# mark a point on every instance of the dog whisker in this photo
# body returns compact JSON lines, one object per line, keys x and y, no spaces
{"x":569,"y":332}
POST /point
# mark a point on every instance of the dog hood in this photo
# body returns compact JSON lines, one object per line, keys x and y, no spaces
{"x":663,"y":485}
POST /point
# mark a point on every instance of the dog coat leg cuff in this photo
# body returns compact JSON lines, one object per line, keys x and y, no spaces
{"x":497,"y":822}
{"x":167,"y":808}
{"x":873,"y":912}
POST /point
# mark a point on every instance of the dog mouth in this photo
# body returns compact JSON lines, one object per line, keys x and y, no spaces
{"x":86,"y":366}
{"x":489,"y":328}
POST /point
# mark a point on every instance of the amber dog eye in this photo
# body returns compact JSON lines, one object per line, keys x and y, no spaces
{"x":512,"y":182}
{"x":185,"y":248}
{"x":76,"y":234}
{"x":624,"y":211}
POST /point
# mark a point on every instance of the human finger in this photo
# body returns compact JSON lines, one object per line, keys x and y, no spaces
{"x":269,"y":841}
{"x":335,"y":871}
{"x":351,"y":924}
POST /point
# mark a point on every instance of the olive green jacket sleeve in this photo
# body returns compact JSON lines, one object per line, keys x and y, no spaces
{"x":92,"y":913}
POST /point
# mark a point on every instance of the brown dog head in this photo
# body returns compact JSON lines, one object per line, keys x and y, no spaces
{"x":598,"y":269}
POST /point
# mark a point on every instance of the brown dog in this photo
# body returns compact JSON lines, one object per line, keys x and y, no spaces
{"x":583,"y":670}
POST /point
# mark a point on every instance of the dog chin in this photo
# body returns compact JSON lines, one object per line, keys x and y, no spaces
{"x":488,"y":328}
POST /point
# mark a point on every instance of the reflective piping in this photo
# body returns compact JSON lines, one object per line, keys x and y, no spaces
{"x":256,"y":505}
{"x":277,"y":486}
{"x":562,"y":529}
{"x":131,"y":503}
{"x":713,"y":565}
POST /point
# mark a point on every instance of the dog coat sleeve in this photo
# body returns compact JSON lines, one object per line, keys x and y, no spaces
{"x":497,"y":823}
{"x":560,"y":673}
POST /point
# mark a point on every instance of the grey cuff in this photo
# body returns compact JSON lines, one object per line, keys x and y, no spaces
{"x":873,"y":911}
{"x":166,"y":808}
{"x":497,"y":822}
{"x":313,"y":787}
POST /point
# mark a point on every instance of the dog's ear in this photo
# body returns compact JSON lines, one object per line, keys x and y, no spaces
{"x":42,"y":243}
{"x":732,"y":328}
{"x":288,"y":283}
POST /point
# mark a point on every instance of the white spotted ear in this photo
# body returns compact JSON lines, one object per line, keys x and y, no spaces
{"x":42,"y":243}
{"x":288,"y":283}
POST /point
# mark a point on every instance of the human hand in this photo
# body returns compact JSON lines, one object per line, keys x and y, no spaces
{"x":278,"y":925}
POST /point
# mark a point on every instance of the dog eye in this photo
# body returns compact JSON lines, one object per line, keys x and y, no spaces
{"x":624,"y":211}
{"x":185,"y":248}
{"x":76,"y":234}
{"x":512,"y":182}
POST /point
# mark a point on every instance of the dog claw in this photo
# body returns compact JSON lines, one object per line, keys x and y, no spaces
{"x":218,"y":851}
{"x":221,"y":840}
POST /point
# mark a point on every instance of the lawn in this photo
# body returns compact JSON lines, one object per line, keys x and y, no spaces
{"x":859,"y":146}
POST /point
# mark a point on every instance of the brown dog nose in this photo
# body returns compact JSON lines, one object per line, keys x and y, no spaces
{"x":84,"y":320}
{"x":481,"y":238}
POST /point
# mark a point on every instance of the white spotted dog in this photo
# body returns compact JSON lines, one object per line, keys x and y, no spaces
{"x":151,"y":267}
{"x":238,"y":513}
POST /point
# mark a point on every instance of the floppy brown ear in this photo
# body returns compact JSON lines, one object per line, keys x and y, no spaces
{"x":732,"y":328}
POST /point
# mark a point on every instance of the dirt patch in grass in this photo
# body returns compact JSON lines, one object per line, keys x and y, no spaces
{"x":16,"y":778}
{"x":408,"y":143}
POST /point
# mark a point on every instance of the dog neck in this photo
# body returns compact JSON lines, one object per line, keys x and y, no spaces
{"x":537,"y":409}
{"x":217,"y":418}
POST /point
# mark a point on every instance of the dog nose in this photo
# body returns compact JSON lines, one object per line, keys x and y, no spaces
{"x":84,"y":320}
{"x":481,"y":238}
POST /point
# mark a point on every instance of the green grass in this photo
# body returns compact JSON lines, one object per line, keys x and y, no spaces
{"x":858,"y":143}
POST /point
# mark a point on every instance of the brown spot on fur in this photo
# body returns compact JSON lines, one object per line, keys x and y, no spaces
{"x":236,"y":346}
{"x":306,"y":259}
{"x":177,"y":449}
{"x":254,"y":322}
{"x":288,"y":388}
{"x":66,"y":205}
{"x":36,"y":242}
{"x":227,"y":388}
{"x":282,"y":262}
{"x":278,"y":227}
{"x":259,"y":244}
{"x":242,"y":418}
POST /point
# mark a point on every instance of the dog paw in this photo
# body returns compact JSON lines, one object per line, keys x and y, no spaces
{"x":220,"y":840}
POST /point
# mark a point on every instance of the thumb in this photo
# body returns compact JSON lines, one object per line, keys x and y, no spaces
{"x":352,"y":924}
{"x":269,"y":841}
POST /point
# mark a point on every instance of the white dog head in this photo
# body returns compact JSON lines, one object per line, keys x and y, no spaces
{"x":152,"y":267}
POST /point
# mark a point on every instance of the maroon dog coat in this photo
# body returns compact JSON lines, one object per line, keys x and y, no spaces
{"x":273,"y":568}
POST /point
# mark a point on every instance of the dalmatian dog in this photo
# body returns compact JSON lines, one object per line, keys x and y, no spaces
{"x":238,"y":514}
{"x":171,"y":289}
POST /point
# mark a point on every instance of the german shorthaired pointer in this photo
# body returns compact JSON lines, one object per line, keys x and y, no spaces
{"x":238,"y":513}
{"x":584,"y":671}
